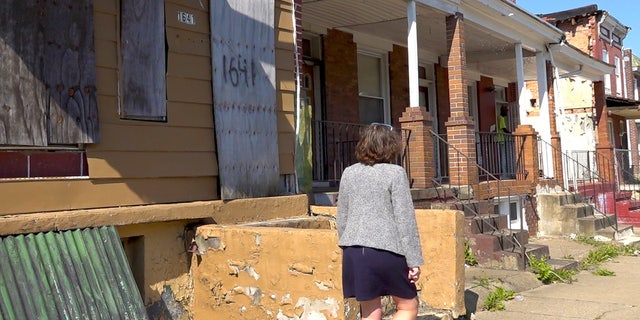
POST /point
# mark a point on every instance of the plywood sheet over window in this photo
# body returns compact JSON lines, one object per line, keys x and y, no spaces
{"x":47,"y":82}
{"x":244,"y":95}
{"x":143,"y":56}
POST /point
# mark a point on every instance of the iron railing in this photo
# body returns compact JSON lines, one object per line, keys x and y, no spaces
{"x":334,"y":145}
{"x":499,"y":154}
{"x":586,"y":172}
{"x":498,"y":191}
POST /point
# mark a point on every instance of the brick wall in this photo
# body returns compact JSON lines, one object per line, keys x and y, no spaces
{"x":398,"y":82}
{"x":341,"y":77}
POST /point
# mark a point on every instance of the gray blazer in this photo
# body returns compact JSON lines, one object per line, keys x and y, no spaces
{"x":375,"y":210}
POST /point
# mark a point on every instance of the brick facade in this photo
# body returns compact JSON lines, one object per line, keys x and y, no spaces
{"x":460,"y":125}
{"x":422,"y":165}
{"x":398,"y":82}
{"x":555,"y":136}
{"x":341,"y":77}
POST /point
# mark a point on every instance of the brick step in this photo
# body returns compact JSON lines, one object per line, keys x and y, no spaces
{"x":589,"y":225}
{"x":577,"y":210}
{"x":513,"y":260}
{"x":632,"y":217}
{"x":484,"y":245}
{"x":484,"y":223}
{"x":564,"y":264}
{"x":469,"y":207}
{"x":624,"y":230}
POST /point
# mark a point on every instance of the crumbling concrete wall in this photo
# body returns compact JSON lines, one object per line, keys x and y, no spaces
{"x":275,"y":272}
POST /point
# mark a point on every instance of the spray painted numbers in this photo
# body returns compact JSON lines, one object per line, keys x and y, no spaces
{"x":238,"y":71}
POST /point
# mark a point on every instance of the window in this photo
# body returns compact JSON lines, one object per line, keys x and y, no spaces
{"x":604,"y":32}
{"x":426,"y":81}
{"x":50,"y":91}
{"x":134,"y":250}
{"x":635,"y":89}
{"x":618,"y":65}
{"x":143,"y":61}
{"x":616,"y":39}
{"x":610,"y":131}
{"x":371,"y":87}
{"x":607,"y":77}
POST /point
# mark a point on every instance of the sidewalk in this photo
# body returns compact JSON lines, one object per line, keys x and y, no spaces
{"x":590,"y":297}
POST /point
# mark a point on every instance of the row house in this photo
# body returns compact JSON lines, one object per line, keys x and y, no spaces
{"x":604,"y":130}
{"x":154,"y":119}
{"x":444,"y":70}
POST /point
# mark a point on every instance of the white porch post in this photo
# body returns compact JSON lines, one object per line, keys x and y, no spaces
{"x":522,"y":105}
{"x":544,"y":123}
{"x":412,"y":44}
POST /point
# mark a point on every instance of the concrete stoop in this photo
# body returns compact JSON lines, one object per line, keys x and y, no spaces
{"x":563,"y":214}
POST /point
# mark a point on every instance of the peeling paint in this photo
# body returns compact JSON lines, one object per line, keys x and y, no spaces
{"x":312,"y":309}
{"x":237,"y":266}
{"x":301,"y":268}
{"x":322,"y":286}
{"x":203,"y":244}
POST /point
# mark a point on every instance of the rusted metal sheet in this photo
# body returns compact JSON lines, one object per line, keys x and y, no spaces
{"x":143,"y":55}
{"x":244,"y":96}
{"x":48,"y":82}
{"x":77,"y":274}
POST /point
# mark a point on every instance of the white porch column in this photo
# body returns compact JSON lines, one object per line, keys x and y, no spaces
{"x":544,"y":122}
{"x":412,"y":45}
{"x":543,"y":96}
{"x":522,"y":105}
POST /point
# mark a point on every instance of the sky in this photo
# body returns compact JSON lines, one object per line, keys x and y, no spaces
{"x":625,"y":11}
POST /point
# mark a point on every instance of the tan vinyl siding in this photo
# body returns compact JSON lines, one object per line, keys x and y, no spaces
{"x":285,"y":75}
{"x":140,"y":162}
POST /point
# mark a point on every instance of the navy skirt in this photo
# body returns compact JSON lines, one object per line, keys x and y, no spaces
{"x":368,"y":273}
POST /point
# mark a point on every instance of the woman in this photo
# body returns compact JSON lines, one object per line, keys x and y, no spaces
{"x":377,"y":227}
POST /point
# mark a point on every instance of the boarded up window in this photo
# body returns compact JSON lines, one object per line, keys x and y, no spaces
{"x":143,"y":68}
{"x":47,"y":74}
{"x":244,"y":96}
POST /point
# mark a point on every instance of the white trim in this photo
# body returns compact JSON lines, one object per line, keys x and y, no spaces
{"x":384,"y":79}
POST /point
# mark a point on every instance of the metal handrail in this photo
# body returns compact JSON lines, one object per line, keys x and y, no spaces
{"x":438,"y":141}
{"x":582,"y":177}
{"x":334,"y":145}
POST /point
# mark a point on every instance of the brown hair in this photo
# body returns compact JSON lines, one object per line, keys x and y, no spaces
{"x":379,"y":143}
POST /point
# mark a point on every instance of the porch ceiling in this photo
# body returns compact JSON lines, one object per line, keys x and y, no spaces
{"x":626,"y":108}
{"x":487,"y":52}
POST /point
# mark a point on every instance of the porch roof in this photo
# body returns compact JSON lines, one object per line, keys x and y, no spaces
{"x":623,"y":107}
{"x":492,"y":28}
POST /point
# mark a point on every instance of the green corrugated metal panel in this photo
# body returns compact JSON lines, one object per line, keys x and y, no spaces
{"x":78,"y":274}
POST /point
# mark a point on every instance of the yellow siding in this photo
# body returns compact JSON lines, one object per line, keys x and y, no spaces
{"x":138,"y":162}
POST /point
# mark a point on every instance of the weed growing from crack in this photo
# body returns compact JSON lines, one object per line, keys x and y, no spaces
{"x":495,"y":299}
{"x":603,"y":272}
{"x":469,"y":257}
{"x":545,"y":272}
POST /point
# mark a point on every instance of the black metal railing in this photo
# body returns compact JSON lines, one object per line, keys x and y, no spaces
{"x":627,"y":174}
{"x":334,"y":145}
{"x":586,"y":172}
{"x":498,"y":153}
{"x":497,"y":190}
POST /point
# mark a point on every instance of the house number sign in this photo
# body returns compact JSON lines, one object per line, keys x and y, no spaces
{"x":186,"y":18}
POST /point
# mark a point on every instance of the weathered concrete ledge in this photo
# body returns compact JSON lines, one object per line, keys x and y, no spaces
{"x":221,"y":212}
{"x":265,"y":270}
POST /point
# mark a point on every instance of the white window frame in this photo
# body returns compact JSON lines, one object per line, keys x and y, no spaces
{"x":607,"y":77}
{"x":384,"y":79}
{"x":617,"y":71}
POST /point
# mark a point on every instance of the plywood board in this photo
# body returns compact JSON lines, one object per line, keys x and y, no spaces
{"x":243,"y":60}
